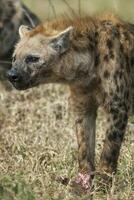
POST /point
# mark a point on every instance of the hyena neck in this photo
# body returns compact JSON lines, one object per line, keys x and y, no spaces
{"x":76,"y":67}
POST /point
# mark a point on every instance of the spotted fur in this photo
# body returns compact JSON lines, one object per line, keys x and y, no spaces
{"x":97,"y":64}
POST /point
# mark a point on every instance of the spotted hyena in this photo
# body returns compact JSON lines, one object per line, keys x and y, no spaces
{"x":95,"y":57}
{"x":12,"y":14}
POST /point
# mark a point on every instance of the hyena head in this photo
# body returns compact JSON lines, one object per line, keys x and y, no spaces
{"x":36,"y":57}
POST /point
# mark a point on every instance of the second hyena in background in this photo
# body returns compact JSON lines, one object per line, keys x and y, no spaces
{"x":12,"y":14}
{"x":95,"y":57}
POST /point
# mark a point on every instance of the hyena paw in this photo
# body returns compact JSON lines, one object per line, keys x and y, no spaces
{"x":82,"y":181}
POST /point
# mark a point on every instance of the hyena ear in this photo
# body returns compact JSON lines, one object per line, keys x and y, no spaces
{"x":61,"y":42}
{"x":23,"y":30}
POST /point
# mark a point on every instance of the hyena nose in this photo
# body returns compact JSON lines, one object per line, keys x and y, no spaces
{"x":13,"y":75}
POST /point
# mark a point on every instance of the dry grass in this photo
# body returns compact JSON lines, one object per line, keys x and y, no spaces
{"x":37,"y":144}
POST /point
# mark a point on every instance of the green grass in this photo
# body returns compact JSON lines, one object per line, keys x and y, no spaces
{"x":13,"y":187}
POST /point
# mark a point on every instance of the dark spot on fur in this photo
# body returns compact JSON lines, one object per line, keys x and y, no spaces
{"x":91,"y":46}
{"x":125,"y":117}
{"x":111,"y":92}
{"x":126,"y":35}
{"x":114,"y":152}
{"x":106,"y":74}
{"x":106,"y":58}
{"x":121,"y":48}
{"x":127,"y":94}
{"x":96,"y":34}
{"x":120,"y":75}
{"x":116,"y":98}
{"x":121,"y":88}
{"x":128,"y":62}
{"x":115,"y":31}
{"x":115,"y":116}
{"x":111,"y":54}
{"x":114,"y":110}
{"x":120,"y":125}
{"x":118,"y":89}
{"x":90,"y":38}
{"x":115,"y":136}
{"x":109,"y":44}
{"x":116,"y":76}
{"x":132,"y":61}
{"x":111,"y":158}
{"x":97,"y":59}
{"x":128,"y":69}
{"x":108,"y":158}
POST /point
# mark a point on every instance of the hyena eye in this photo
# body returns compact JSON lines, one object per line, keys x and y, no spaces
{"x":31,"y":59}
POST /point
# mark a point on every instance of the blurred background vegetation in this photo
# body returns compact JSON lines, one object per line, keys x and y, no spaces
{"x":52,"y":8}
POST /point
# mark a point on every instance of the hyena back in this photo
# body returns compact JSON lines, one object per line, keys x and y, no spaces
{"x":95,"y":57}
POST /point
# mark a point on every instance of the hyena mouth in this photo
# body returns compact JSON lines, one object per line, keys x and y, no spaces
{"x":24,"y":85}
{"x":20,"y":81}
{"x":21,"y":86}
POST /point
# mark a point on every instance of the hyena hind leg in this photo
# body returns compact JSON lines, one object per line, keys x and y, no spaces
{"x":117,"y":121}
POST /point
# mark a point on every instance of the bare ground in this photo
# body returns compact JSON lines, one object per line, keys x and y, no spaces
{"x":38,"y":144}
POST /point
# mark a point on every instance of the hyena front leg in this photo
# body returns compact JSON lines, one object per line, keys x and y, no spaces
{"x":117,"y":113}
{"x":85,"y":111}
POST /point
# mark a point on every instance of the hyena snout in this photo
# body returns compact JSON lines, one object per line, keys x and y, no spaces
{"x":19,"y":79}
{"x":13,"y":75}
